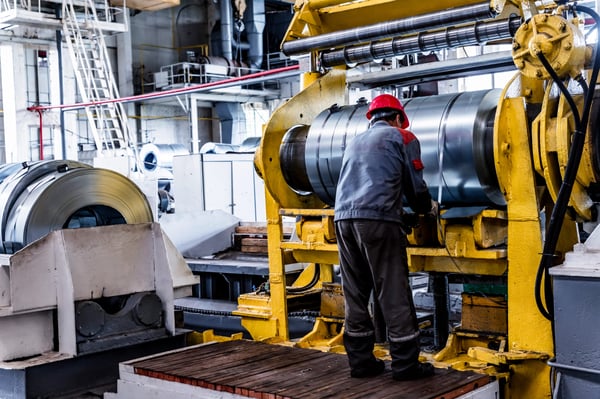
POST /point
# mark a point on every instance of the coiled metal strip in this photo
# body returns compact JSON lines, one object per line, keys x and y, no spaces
{"x":80,"y":197}
{"x":460,"y":126}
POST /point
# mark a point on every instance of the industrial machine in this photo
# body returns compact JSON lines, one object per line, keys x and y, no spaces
{"x":75,"y":301}
{"x":515,"y":171}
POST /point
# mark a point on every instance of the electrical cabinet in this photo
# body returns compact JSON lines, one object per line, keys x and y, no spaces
{"x":225,"y":182}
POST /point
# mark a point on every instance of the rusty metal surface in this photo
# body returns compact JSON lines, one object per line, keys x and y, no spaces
{"x":259,"y":370}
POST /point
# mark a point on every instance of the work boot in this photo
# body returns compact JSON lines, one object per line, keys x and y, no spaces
{"x":405,"y":361}
{"x":362,"y":362}
{"x":415,"y":372}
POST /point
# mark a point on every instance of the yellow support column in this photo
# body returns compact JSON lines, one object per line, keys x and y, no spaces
{"x":528,"y":330}
{"x":264,"y":314}
{"x":276,"y":268}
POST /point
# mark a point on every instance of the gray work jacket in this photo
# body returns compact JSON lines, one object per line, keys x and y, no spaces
{"x":379,"y":168}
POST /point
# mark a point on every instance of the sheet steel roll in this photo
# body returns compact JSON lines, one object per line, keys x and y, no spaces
{"x":21,"y":176}
{"x":455,"y":131}
{"x":326,"y":141}
{"x":155,"y":156}
{"x":463,"y":126}
{"x":66,"y":197}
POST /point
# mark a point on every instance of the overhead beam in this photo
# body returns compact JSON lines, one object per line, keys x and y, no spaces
{"x":434,"y":71}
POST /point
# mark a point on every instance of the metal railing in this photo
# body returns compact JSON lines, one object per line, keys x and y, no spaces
{"x":95,"y":78}
{"x":183,"y":74}
{"x":41,"y":14}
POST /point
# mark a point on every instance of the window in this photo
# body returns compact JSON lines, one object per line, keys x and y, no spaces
{"x":38,"y":77}
{"x":34,"y":143}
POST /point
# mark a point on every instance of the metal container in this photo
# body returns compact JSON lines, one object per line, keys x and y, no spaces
{"x":576,"y":286}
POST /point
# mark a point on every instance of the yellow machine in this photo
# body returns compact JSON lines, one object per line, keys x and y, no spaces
{"x":514,"y":169}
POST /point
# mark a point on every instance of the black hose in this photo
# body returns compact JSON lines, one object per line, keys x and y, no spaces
{"x":562,"y":200}
{"x":562,"y":88}
{"x":311,"y":284}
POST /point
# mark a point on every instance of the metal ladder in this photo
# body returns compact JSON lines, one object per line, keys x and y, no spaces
{"x":95,"y":80}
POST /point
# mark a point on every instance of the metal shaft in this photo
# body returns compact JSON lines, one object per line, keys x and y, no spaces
{"x":477,"y":33}
{"x":388,"y":29}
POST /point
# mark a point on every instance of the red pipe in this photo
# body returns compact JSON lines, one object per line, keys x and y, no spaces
{"x":40,"y":130}
{"x":165,"y":93}
{"x":41,"y":136}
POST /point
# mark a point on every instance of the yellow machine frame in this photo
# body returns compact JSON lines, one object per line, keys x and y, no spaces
{"x":524,"y":152}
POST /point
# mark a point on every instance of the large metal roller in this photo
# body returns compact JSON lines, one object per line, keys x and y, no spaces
{"x":47,"y":196}
{"x":456,"y":134}
{"x":456,"y":15}
{"x":456,"y":36}
{"x":463,"y":125}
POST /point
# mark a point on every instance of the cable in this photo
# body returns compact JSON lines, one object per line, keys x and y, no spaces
{"x":562,"y":200}
{"x":562,"y":88}
{"x":575,"y":152}
{"x":311,"y":284}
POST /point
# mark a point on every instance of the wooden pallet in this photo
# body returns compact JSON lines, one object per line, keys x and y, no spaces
{"x":250,"y":369}
{"x":252,"y":237}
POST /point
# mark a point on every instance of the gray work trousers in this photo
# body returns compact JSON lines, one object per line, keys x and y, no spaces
{"x":373,"y":258}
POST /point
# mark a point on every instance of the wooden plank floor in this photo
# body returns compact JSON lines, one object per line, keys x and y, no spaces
{"x":266,"y":371}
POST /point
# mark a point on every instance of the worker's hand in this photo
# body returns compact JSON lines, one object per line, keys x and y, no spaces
{"x":410,"y":220}
{"x":435,"y":207}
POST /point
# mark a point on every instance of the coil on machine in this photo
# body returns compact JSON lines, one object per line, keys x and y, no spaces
{"x":45,"y":196}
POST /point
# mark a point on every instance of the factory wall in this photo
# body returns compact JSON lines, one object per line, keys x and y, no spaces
{"x":154,"y":39}
{"x":170,"y":123}
{"x":19,"y":125}
{"x":152,"y":46}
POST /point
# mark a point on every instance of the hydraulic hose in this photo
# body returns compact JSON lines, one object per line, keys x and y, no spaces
{"x":562,"y":200}
{"x":311,"y":284}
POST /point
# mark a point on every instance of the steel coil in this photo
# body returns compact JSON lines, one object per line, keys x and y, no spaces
{"x":49,"y":196}
{"x":157,"y":156}
{"x":456,"y":135}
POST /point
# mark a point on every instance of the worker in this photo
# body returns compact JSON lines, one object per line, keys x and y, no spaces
{"x":380,"y":167}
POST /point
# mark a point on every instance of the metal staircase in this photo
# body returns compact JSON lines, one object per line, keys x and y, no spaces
{"x":82,"y":30}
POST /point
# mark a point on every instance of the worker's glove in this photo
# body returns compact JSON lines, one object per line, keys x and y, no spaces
{"x":433,"y":213}
{"x":410,"y":220}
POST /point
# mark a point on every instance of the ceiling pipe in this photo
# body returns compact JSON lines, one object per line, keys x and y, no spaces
{"x":255,"y":25}
{"x":226,"y":29}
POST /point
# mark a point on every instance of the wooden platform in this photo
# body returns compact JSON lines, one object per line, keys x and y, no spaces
{"x":239,"y":369}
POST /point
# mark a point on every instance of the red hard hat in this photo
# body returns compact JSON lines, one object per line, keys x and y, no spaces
{"x":388,"y":101}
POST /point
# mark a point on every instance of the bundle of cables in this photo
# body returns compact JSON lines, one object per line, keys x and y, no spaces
{"x":544,"y":298}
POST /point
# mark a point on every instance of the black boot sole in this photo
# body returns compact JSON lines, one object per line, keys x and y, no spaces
{"x":421,"y":370}
{"x":377,"y":368}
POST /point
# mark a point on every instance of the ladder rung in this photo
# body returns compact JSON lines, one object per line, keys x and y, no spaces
{"x":97,"y":88}
{"x":93,"y":72}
